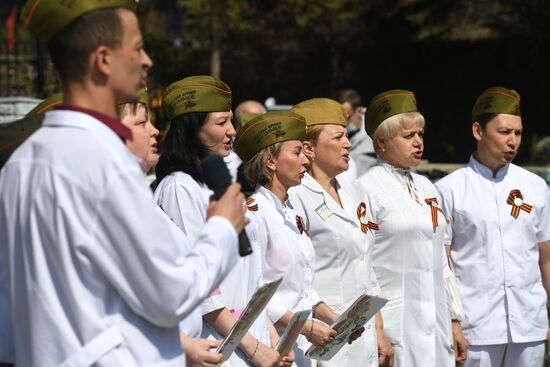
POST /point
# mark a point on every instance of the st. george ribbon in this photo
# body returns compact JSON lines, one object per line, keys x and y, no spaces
{"x":217,"y":178}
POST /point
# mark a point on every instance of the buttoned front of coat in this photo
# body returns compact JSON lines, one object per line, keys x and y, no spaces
{"x":495,"y":255}
{"x":343,"y":258}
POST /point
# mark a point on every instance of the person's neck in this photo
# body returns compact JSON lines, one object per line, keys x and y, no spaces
{"x":327,"y":182}
{"x":98,"y":99}
{"x":278,"y":189}
{"x":486,"y":160}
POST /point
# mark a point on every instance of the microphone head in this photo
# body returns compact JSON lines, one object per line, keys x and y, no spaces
{"x":216,"y":175}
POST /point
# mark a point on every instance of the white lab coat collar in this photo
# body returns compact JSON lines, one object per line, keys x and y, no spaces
{"x":485,"y":171}
{"x":399,"y":173}
{"x":289,"y":219}
{"x":347,"y":212}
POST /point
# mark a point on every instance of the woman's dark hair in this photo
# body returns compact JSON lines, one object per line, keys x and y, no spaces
{"x":483,"y":119}
{"x":182,"y":150}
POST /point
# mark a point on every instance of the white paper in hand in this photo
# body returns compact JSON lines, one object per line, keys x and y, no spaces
{"x":356,"y":316}
{"x":253,"y":309}
{"x":292,"y":331}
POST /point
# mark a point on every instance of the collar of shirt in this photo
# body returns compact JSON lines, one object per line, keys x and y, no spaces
{"x":485,"y":171}
{"x":118,"y":128}
{"x":274,"y":199}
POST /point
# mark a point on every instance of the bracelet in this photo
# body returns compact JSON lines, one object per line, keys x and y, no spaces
{"x":255,"y":350}
{"x":311,"y":329}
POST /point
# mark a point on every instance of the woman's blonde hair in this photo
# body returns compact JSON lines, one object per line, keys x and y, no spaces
{"x":255,"y":170}
{"x":391,"y":126}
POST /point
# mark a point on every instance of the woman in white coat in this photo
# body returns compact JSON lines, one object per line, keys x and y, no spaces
{"x":271,"y":147}
{"x":409,"y":255}
{"x":340,"y":228}
{"x":199,"y":108}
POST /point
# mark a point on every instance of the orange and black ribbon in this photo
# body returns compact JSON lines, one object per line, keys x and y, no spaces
{"x":251,"y":205}
{"x":432,"y":202}
{"x":517,"y":205}
{"x":300,"y":224}
{"x":361,"y":215}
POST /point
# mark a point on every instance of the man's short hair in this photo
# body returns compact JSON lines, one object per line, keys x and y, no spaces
{"x":348,"y":95}
{"x":70,"y":48}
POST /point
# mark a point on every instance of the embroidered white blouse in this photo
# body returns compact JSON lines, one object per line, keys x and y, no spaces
{"x":410,"y":264}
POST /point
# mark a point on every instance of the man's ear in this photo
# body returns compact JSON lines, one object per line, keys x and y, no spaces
{"x":309,"y":150}
{"x":100,"y":60}
{"x":477,"y":131}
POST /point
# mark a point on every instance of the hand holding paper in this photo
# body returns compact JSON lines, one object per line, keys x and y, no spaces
{"x":353,"y":319}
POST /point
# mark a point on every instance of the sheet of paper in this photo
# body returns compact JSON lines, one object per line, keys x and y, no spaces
{"x":356,"y":316}
{"x":253,"y":309}
{"x":292,"y":331}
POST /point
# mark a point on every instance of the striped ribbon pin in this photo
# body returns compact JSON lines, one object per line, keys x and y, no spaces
{"x":515,"y":198}
{"x":432,"y":202}
{"x":365,"y":224}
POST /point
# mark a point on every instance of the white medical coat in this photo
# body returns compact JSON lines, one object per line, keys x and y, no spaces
{"x":95,"y":271}
{"x":288,"y":254}
{"x":343,"y":259}
{"x":495,"y":255}
{"x":409,"y":262}
{"x":186,"y":203}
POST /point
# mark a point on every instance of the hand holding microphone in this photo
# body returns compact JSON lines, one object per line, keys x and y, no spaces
{"x":229,"y":198}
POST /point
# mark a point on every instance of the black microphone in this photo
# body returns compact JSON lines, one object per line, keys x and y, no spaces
{"x":217,"y":178}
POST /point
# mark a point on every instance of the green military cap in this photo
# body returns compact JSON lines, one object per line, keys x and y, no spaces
{"x":46,"y":18}
{"x":497,"y":100}
{"x":321,"y":111}
{"x":47,"y":104}
{"x":246,"y":117}
{"x":143,"y":98}
{"x":388,"y":104}
{"x":200,"y":93}
{"x":13,"y":134}
{"x":267,"y":129}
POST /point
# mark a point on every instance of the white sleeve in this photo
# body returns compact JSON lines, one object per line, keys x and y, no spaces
{"x":543,"y":227}
{"x":446,"y":203}
{"x":147,"y":259}
{"x":455,"y":304}
{"x":184,"y":206}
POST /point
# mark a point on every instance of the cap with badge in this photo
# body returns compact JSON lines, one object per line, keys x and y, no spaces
{"x":200,"y":93}
{"x":497,"y":100}
{"x":386,"y":105}
{"x":268,"y":129}
{"x":321,"y":111}
{"x":47,"y":18}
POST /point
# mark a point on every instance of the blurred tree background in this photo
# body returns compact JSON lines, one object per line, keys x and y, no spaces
{"x":446,"y":51}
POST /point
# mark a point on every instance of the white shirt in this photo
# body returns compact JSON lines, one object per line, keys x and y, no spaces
{"x":96,"y":272}
{"x":343,"y":258}
{"x":186,"y":202}
{"x":409,"y":262}
{"x":495,"y":255}
{"x":288,"y":254}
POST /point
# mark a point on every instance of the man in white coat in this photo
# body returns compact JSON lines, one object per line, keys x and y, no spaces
{"x":499,"y":240}
{"x":94,"y":270}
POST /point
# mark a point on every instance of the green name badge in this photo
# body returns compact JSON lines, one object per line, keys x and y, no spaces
{"x":323,"y":211}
